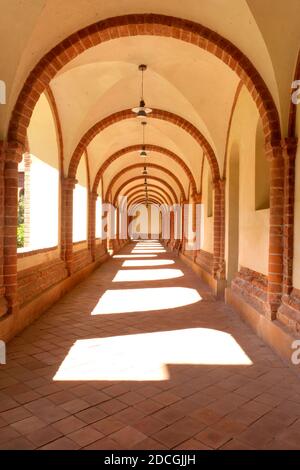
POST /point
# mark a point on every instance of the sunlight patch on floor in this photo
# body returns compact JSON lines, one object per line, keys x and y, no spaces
{"x":148,"y":245}
{"x":146,"y":356}
{"x":134,"y":256}
{"x":128,"y":275}
{"x":146,"y":250}
{"x":144,"y":300}
{"x":151,"y":262}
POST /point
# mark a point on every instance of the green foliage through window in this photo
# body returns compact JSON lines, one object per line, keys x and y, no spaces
{"x":20,"y":229}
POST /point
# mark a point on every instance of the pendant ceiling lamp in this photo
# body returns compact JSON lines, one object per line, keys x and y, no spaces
{"x":141,"y":111}
{"x":143,"y":152}
{"x":145,"y":171}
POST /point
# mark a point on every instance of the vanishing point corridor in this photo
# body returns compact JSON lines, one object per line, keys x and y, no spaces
{"x":142,"y":356}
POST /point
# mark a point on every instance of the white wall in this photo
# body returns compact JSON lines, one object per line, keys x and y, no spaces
{"x":253,"y":224}
{"x":207,"y":223}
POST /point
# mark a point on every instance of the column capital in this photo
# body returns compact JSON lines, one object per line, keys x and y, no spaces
{"x":197,"y":198}
{"x":290,"y":147}
{"x":184,"y":201}
{"x":93,"y":195}
{"x":274,"y":149}
{"x":219,"y":184}
{"x":13,"y":151}
{"x":68,"y":183}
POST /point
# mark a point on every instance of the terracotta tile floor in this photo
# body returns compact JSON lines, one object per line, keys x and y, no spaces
{"x":141,"y":356}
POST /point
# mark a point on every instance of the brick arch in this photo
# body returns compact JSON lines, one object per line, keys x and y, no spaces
{"x":140,"y":177}
{"x":151,"y":148}
{"x":153,"y":188}
{"x":150,"y":194}
{"x":138,"y":200}
{"x":137,"y":203}
{"x":136,"y":25}
{"x":141,"y":165}
{"x":59,"y":135}
{"x":156,"y":114}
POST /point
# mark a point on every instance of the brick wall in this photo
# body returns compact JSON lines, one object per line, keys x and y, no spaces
{"x":289,"y":311}
{"x":252,"y":287}
{"x":80,"y":259}
{"x":205,"y":261}
{"x":35,"y":280}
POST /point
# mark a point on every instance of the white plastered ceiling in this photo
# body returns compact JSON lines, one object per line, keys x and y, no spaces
{"x":181,"y":78}
{"x":256,"y":27}
{"x":157,"y":132}
{"x":161,"y":187}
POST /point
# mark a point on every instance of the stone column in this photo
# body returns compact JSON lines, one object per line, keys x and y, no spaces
{"x":92,"y":223}
{"x":274,"y":154}
{"x":219,"y":230}
{"x":3,"y":303}
{"x":13,"y":156}
{"x":68,"y":185}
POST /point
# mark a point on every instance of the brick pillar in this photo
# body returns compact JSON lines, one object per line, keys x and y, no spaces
{"x":118,"y":242}
{"x":289,"y":155}
{"x":172,"y":216}
{"x":129,"y":220}
{"x":13,"y":156}
{"x":27,"y":165}
{"x":219,"y":230}
{"x":117,"y":225}
{"x":92,"y":223}
{"x":68,"y":185}
{"x":110,"y":226}
{"x":196,"y":199}
{"x":3,"y":303}
{"x":183,"y":225}
{"x":123,"y":221}
{"x":276,"y":248}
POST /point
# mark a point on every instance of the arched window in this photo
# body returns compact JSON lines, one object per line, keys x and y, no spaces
{"x":80,"y":202}
{"x":38,"y":226}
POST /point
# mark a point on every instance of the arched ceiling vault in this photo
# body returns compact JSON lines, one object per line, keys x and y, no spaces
{"x":140,"y":178}
{"x":141,"y":193}
{"x":149,"y":148}
{"x":151,"y":187}
{"x":252,"y":25}
{"x":141,"y":198}
{"x":142,"y":202}
{"x":123,"y":173}
{"x":192,"y":76}
{"x":187,"y":138}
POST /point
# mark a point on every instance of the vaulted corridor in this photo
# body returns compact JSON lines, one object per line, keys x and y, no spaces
{"x":149,"y":225}
{"x":141,"y":355}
